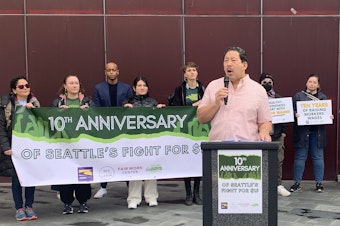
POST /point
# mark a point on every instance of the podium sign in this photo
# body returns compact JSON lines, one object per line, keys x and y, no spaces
{"x":240,"y":183}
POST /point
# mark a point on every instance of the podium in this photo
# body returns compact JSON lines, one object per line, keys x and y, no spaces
{"x":240,"y":183}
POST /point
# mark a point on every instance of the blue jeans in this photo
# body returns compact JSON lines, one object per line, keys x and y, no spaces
{"x":17,"y":194}
{"x":317,"y":158}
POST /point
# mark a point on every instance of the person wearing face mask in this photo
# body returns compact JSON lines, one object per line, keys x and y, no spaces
{"x":278,"y":132}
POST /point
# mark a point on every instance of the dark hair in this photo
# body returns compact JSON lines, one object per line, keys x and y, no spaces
{"x":189,"y":64}
{"x":314,"y":75}
{"x":242,"y":52}
{"x":62,"y":88}
{"x":14,"y":82}
{"x":135,"y":81}
{"x":140,"y":78}
{"x":318,"y":78}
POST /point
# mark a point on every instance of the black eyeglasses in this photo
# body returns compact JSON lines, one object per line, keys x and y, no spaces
{"x":23,"y":86}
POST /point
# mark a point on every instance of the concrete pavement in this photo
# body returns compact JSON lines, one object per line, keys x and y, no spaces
{"x":307,"y":207}
{"x":301,"y":208}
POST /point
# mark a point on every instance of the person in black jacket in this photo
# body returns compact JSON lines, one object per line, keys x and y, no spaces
{"x":141,"y":98}
{"x":20,"y":95}
{"x":71,"y":95}
{"x":190,"y":93}
{"x":278,"y":133}
{"x":309,"y":137}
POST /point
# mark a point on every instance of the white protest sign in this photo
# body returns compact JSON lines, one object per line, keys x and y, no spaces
{"x":281,"y":109}
{"x":314,"y":112}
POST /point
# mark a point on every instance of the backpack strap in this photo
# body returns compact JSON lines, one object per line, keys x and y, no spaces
{"x":310,"y":96}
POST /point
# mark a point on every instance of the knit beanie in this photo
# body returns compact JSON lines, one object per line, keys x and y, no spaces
{"x":265,"y":75}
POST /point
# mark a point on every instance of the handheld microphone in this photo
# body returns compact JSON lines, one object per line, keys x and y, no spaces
{"x":226,"y":83}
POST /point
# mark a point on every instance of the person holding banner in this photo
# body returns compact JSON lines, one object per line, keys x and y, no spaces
{"x":20,"y":95}
{"x":190,"y":93}
{"x":111,"y":93}
{"x":309,"y":137}
{"x":278,"y":132}
{"x":239,"y":109}
{"x":71,"y":95}
{"x":141,"y":98}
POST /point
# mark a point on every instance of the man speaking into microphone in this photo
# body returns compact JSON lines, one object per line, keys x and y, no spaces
{"x":236,"y":106}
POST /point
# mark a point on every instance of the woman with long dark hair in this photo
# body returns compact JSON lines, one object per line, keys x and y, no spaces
{"x":141,"y":98}
{"x":20,"y":95}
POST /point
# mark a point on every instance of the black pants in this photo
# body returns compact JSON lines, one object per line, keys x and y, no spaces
{"x":187,"y":183}
{"x":82,"y":192}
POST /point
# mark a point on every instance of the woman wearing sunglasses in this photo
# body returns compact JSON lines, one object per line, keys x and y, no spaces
{"x":20,"y":95}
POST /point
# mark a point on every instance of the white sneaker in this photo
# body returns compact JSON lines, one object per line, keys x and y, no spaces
{"x":132,"y":205}
{"x":100,"y":193}
{"x":282,"y":191}
{"x":153,"y":203}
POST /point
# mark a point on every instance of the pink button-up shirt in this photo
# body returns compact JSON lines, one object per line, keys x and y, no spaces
{"x":247,"y":107}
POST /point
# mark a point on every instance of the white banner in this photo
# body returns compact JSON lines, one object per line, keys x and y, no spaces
{"x":69,"y":146}
{"x":41,"y":163}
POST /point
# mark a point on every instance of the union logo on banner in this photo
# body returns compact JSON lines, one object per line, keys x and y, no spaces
{"x":85,"y":174}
